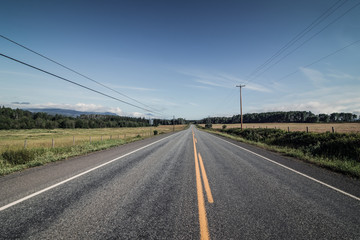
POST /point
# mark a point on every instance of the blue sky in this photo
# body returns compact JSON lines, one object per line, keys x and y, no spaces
{"x":182,"y":58}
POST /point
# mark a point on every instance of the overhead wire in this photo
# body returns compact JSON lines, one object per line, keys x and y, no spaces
{"x":301,"y":34}
{"x":306,"y":41}
{"x":76,"y":72}
{"x":78,"y":84}
{"x":320,"y":59}
{"x":258,"y":74}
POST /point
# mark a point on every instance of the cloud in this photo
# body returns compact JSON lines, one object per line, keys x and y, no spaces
{"x":130,"y":87}
{"x":222,"y":80}
{"x":193,"y":104}
{"x":208,"y":77}
{"x":197,"y":86}
{"x":257,"y":87}
{"x":342,"y":76}
{"x":314,"y":75}
{"x":211,"y":83}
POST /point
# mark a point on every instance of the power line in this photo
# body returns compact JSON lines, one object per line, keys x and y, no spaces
{"x":75,"y":83}
{"x":303,"y":43}
{"x":76,"y":72}
{"x":320,"y":59}
{"x":316,"y":22}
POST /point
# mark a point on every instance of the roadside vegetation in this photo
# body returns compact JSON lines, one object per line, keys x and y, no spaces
{"x":353,"y":127}
{"x":21,"y":149}
{"x":284,"y":117}
{"x":23,"y":119}
{"x":339,"y":152}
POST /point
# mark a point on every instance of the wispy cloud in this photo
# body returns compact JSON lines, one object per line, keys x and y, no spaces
{"x":193,"y":104}
{"x":222,"y":80}
{"x":315,"y":76}
{"x":130,"y":87}
{"x":197,"y":86}
{"x":23,"y":74}
{"x":214,"y":84}
{"x":257,"y":87}
{"x":342,"y":75}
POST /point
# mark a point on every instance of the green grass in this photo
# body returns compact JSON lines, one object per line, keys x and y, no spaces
{"x":16,"y":160}
{"x":345,"y":165}
{"x":39,"y":151}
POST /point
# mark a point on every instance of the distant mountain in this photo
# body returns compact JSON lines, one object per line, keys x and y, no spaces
{"x":66,"y":112}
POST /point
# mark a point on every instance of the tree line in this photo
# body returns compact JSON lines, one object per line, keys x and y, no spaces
{"x":283,"y":117}
{"x":22,"y":119}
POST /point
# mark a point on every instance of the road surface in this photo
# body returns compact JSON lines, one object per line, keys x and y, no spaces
{"x":186,"y":185}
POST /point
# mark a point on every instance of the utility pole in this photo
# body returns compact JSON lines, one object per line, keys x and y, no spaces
{"x":173,"y":123}
{"x":241,"y":116}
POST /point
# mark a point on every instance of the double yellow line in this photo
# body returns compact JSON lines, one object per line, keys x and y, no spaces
{"x":204,"y":230}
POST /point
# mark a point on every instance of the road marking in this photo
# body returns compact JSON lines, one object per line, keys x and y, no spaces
{"x":76,"y":176}
{"x":297,"y":172}
{"x":204,"y":231}
{"x":205,"y":179}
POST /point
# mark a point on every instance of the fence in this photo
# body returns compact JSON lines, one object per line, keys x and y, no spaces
{"x":68,"y":141}
{"x":303,"y":127}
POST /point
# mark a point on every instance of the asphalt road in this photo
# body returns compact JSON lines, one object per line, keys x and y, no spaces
{"x":187,"y":185}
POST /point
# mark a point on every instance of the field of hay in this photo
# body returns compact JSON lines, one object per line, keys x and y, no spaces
{"x":46,"y":138}
{"x":292,"y":127}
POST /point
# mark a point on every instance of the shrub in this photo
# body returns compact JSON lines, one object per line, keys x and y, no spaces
{"x":18,"y":156}
{"x":345,"y":146}
{"x":155,"y":132}
{"x":224,"y":126}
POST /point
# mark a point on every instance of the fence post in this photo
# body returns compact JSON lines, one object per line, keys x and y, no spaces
{"x":288,"y":129}
{"x":25,"y":143}
{"x":73,"y":140}
{"x":53,"y":143}
{"x":307,"y":129}
{"x":333,"y":130}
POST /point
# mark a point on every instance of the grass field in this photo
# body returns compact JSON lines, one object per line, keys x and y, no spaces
{"x":21,"y":149}
{"x":44,"y":138}
{"x":312,"y":127}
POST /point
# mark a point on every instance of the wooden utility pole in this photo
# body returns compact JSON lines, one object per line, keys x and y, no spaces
{"x":173,"y":123}
{"x":241,"y":116}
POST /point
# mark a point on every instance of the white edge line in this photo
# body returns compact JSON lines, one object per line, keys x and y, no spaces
{"x":76,"y":176}
{"x":293,"y":170}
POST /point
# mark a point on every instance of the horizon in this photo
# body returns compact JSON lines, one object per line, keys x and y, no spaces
{"x":46,"y":110}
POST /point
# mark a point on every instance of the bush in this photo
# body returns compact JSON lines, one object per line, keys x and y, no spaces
{"x":155,"y":132}
{"x":345,"y":146}
{"x":224,"y":127}
{"x":18,"y":156}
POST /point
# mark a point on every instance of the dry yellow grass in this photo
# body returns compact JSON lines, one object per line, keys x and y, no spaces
{"x":312,"y":127}
{"x":15,"y":139}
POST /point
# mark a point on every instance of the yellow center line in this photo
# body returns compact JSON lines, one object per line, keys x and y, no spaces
{"x":205,"y":179}
{"x":204,"y":230}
